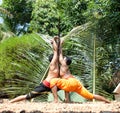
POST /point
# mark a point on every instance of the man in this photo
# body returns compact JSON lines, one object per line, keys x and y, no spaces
{"x":69,"y":83}
{"x":53,"y":73}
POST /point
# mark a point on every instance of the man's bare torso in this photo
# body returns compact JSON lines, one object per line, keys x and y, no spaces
{"x":53,"y":72}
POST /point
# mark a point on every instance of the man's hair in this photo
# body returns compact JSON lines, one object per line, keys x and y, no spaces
{"x":50,"y":57}
{"x":68,"y":60}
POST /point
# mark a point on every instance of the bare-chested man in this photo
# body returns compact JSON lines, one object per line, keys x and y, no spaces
{"x":53,"y":73}
{"x":69,"y":83}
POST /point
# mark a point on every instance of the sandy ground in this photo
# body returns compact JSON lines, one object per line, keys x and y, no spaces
{"x":45,"y":107}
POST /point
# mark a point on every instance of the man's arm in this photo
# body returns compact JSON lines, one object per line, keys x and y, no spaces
{"x":55,"y":50}
{"x":61,"y":57}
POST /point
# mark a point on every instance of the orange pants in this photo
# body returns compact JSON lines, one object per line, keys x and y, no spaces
{"x":71,"y":85}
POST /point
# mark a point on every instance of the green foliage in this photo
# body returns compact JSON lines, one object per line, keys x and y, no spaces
{"x":105,"y":15}
{"x":57,"y":16}
{"x":44,"y":17}
{"x":4,"y":12}
{"x":108,"y":32}
{"x":48,"y":17}
{"x":5,"y":32}
{"x":21,"y":11}
{"x":23,"y":63}
{"x":73,"y":10}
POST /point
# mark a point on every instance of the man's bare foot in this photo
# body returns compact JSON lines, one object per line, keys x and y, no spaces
{"x":107,"y":102}
{"x":55,"y":101}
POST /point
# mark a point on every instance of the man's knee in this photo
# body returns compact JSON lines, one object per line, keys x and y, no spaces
{"x":30,"y":95}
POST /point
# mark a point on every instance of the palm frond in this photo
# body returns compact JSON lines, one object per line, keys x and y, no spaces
{"x":79,"y":44}
{"x":28,"y":65}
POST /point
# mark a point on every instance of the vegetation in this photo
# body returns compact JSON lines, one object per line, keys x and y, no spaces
{"x":92,"y":38}
{"x":21,"y":11}
{"x":22,"y":63}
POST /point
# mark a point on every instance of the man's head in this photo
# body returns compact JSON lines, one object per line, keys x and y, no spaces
{"x":68,"y":60}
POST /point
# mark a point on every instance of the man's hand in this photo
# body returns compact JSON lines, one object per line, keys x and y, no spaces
{"x":57,"y":39}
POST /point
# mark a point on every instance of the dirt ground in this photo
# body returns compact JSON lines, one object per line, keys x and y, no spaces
{"x":45,"y":107}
